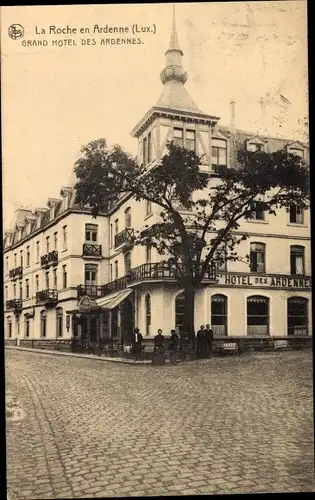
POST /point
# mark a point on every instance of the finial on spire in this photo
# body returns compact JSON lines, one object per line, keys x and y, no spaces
{"x":174,"y":45}
{"x":173,"y":70}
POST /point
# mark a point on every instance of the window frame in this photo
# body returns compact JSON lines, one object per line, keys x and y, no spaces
{"x":297,"y":251}
{"x":251,"y":254}
{"x":297,"y":211}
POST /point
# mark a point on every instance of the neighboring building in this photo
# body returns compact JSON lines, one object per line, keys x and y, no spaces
{"x":57,"y":256}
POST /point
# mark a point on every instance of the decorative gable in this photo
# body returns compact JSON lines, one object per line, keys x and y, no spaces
{"x":255,"y":143}
{"x":296,"y":148}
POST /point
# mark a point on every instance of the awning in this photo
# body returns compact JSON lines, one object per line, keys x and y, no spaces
{"x":113,"y":300}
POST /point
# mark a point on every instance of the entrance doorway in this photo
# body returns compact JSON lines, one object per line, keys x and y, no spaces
{"x":127,"y":320}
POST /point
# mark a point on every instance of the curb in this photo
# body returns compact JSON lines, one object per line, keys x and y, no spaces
{"x":82,"y":356}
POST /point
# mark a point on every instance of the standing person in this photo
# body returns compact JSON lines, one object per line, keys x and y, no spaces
{"x":173,"y":346}
{"x":200,"y":344}
{"x":137,"y":343}
{"x":209,"y":339}
{"x":159,"y":342}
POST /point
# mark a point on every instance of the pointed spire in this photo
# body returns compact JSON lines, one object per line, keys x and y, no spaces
{"x":174,"y":45}
{"x":174,"y":95}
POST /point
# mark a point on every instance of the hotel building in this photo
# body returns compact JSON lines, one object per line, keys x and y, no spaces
{"x":67,"y":274}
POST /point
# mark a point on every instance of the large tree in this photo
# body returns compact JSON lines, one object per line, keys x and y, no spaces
{"x":200,"y":213}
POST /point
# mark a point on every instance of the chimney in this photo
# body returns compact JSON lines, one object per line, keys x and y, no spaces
{"x":232,"y":148}
{"x":232,"y":124}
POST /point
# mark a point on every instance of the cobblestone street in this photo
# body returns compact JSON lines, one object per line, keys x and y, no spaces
{"x":84,"y":428}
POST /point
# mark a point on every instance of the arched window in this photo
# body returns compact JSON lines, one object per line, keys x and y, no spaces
{"x":148,"y":314}
{"x":219,"y":314}
{"x":257,"y":315}
{"x":9,"y":325}
{"x":179,"y":311}
{"x":43,"y":323}
{"x":127,"y":259}
{"x":257,"y":257}
{"x":26,"y":326}
{"x":128,"y":217}
{"x":297,"y":259}
{"x":59,"y":321}
{"x":297,"y":316}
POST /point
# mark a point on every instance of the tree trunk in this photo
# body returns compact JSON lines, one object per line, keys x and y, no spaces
{"x":189,"y":313}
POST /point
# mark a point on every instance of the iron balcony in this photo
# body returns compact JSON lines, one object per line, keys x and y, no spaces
{"x":49,"y":258}
{"x":159,"y":271}
{"x":125,"y":238}
{"x":91,"y":250}
{"x":15,"y":273}
{"x":14,"y":304}
{"x":93,"y":291}
{"x":47,"y":297}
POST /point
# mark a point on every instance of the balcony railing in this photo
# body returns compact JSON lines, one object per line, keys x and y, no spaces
{"x":90,"y":250}
{"x":17,"y":272}
{"x":49,"y":258}
{"x":159,"y":271}
{"x":93,"y":291}
{"x":47,"y":297}
{"x":125,"y":237}
{"x":15,"y":304}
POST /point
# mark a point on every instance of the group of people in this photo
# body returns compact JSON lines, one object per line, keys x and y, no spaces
{"x":204,"y":341}
{"x":203,"y":344}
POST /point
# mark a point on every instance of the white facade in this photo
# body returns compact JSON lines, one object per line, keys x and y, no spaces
{"x":95,"y":252}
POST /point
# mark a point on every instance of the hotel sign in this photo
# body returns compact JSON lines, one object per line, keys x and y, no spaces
{"x":270,"y":281}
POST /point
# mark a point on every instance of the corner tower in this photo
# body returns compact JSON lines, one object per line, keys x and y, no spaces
{"x":175,"y":116}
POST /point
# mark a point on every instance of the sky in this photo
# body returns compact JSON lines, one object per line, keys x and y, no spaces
{"x":56,"y":99}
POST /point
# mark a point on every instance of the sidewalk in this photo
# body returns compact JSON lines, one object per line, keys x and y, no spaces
{"x":84,"y":356}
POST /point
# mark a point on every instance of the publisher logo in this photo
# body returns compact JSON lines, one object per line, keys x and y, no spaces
{"x":16,"y":31}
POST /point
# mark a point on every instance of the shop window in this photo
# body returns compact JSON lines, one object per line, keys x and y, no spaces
{"x":297,"y":259}
{"x":297,"y":316}
{"x":148,"y":314}
{"x":257,"y":315}
{"x":257,"y":257}
{"x":219,"y":315}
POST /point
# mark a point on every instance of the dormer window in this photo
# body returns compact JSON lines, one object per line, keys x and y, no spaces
{"x":255,"y":144}
{"x":219,"y":152}
{"x":297,"y":152}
